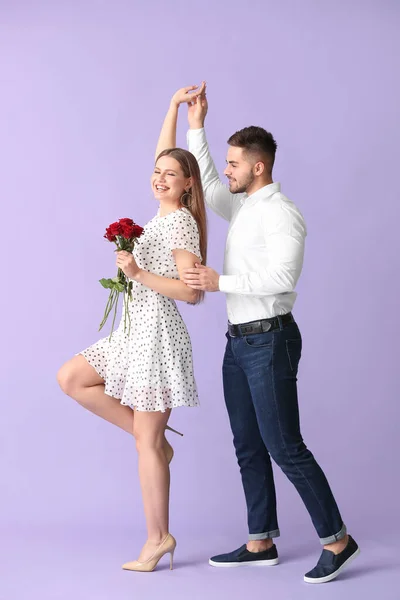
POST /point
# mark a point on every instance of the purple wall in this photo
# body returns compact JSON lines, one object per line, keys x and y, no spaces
{"x":84,"y":87}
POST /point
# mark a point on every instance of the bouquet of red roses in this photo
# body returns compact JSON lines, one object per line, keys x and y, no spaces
{"x":124,"y":233}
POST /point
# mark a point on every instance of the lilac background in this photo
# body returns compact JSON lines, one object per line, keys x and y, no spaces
{"x":84,"y":88}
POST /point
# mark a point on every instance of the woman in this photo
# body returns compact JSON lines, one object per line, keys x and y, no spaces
{"x":134,"y":381}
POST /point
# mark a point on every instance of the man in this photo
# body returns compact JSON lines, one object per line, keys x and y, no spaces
{"x":263,"y":262}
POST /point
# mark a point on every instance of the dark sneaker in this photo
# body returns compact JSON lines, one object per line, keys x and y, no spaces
{"x":243,"y":558}
{"x":330,"y":565}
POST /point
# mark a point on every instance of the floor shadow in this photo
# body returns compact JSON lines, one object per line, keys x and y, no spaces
{"x":178,"y":564}
{"x":363,"y":570}
{"x":298,"y":552}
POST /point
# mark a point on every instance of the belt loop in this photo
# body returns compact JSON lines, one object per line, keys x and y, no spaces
{"x":280,"y":322}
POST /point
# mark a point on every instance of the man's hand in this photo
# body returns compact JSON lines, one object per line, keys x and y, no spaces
{"x":201,"y":278}
{"x":197,"y":110}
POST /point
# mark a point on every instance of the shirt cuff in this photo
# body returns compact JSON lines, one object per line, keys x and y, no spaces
{"x":195,"y":131}
{"x":196,"y":136}
{"x":227,"y":284}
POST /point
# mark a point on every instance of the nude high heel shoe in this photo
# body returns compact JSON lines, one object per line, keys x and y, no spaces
{"x":169,"y":451}
{"x":174,"y":430}
{"x":167,"y":546}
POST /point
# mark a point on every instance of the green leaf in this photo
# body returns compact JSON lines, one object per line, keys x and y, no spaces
{"x":119,"y":286}
{"x":107,"y":283}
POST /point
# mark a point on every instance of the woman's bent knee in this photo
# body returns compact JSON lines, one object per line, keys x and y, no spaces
{"x":67,"y":379}
{"x":76,"y":374}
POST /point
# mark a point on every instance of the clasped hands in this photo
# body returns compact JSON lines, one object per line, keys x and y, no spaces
{"x":196,"y":99}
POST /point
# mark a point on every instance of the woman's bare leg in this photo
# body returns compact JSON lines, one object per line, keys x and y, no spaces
{"x":148,"y":429}
{"x":80,"y":381}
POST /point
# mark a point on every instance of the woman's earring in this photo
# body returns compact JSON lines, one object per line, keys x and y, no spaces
{"x":187,"y":199}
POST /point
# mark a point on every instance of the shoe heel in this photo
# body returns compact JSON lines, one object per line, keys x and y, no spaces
{"x":171,"y":561}
{"x":171,"y":457}
{"x":174,"y":430}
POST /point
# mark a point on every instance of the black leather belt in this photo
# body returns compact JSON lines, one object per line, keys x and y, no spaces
{"x":259,"y":326}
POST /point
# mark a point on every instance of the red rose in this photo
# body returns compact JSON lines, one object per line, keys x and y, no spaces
{"x":129,"y":229}
{"x":126,"y":222}
{"x":115,"y":228}
{"x":126,"y":228}
{"x":109,"y":236}
{"x":126,"y":232}
{"x":112,"y":231}
{"x":137,"y":230}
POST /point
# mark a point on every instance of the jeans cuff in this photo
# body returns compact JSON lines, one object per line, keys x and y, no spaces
{"x":334,"y":538}
{"x":254,"y":537}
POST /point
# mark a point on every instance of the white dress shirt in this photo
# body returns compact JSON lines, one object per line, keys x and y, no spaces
{"x":264,"y":247}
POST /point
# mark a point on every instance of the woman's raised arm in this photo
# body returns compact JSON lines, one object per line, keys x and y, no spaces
{"x":167,"y":137}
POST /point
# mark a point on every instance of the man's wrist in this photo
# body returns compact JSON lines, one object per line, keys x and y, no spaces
{"x":196,"y":125}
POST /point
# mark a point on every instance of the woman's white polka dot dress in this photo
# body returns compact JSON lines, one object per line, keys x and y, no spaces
{"x":151,"y":369}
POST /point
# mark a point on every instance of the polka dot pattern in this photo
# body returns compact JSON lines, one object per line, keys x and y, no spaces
{"x":151,"y":369}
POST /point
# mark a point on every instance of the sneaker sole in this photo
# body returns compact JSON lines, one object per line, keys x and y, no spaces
{"x":249,"y":563}
{"x":336,"y":573}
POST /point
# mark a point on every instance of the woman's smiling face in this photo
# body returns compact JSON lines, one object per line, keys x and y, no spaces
{"x":168,"y":181}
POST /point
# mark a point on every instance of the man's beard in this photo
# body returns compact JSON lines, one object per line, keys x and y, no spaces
{"x":241,"y":189}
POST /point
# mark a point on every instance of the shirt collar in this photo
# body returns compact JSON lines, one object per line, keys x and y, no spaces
{"x":264,"y":192}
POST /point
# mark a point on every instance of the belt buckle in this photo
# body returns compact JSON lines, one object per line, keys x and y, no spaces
{"x":265,"y":326}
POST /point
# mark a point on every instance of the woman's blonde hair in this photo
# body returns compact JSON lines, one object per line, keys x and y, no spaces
{"x":196,"y":205}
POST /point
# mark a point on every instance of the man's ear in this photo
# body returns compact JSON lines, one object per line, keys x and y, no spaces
{"x":259,"y":168}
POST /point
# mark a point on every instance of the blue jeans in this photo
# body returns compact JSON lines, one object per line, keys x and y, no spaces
{"x":260,"y":375}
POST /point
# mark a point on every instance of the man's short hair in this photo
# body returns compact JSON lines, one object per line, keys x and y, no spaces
{"x":256,"y":141}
